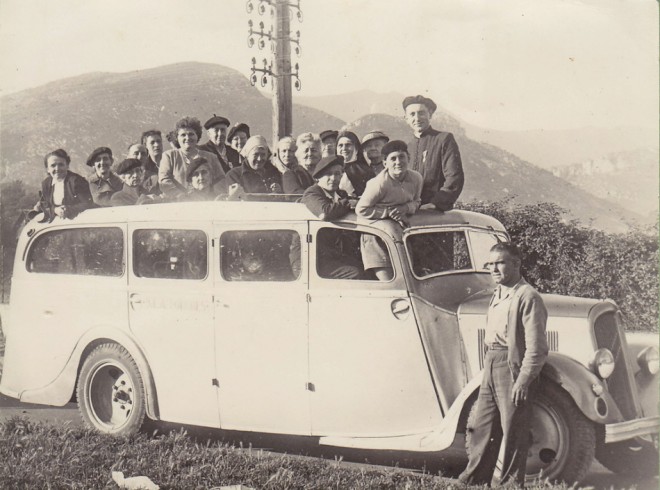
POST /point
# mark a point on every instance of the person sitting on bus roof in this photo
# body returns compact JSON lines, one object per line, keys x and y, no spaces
{"x":393,"y":193}
{"x":173,"y":170}
{"x":152,"y":140}
{"x":328,"y":142}
{"x":103,"y":183}
{"x":372,"y":144}
{"x":295,"y":179}
{"x":308,"y":155}
{"x":257,"y":175}
{"x":63,"y":193}
{"x":356,"y":171}
{"x":150,"y":170}
{"x":131,"y":173}
{"x":201,"y":182}
{"x":216,"y":130}
{"x":238,"y":135}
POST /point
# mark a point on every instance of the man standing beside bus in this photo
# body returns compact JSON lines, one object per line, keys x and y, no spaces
{"x":434,"y":154}
{"x":517,"y":350}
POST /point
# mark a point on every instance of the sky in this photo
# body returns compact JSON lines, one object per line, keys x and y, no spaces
{"x":510,"y":64}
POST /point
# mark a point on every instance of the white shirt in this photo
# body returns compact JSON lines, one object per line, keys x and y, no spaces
{"x":497,"y":318}
{"x":58,"y":192}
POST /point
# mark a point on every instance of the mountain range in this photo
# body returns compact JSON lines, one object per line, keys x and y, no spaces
{"x":112,"y":109}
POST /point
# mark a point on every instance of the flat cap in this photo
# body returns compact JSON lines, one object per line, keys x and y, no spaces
{"x":328,"y":133}
{"x":99,"y":151}
{"x":194,"y":165}
{"x":419,"y":99}
{"x":326,"y":163}
{"x":216,"y":120}
{"x":375,"y":135}
{"x":236,"y":128}
{"x":127,"y":165}
{"x":392,"y":146}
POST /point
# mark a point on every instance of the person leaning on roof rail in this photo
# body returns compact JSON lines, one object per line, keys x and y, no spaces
{"x":63,"y":193}
{"x":173,"y":170}
{"x":257,"y":175}
{"x":394,"y":193}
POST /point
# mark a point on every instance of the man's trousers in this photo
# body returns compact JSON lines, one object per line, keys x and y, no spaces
{"x":498,"y":422}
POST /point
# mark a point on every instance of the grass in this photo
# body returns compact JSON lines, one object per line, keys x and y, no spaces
{"x":37,"y":455}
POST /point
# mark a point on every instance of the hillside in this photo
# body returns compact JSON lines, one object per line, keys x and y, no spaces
{"x":492,"y":174}
{"x":629,"y":178}
{"x":113,"y":109}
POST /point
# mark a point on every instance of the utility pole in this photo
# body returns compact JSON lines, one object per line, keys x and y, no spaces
{"x":279,"y":39}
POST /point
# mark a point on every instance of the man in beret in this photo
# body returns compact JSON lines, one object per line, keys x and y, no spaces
{"x":394,"y":193}
{"x":103,"y":183}
{"x":238,"y":135}
{"x":329,"y":203}
{"x":328,"y":142}
{"x":372,"y":144}
{"x":216,"y":129}
{"x":434,"y":154}
{"x":131,"y":172}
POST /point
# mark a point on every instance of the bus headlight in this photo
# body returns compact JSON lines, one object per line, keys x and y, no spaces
{"x":649,"y":360}
{"x":603,"y":363}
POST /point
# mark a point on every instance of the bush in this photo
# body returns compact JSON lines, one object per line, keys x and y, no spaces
{"x":561,"y":256}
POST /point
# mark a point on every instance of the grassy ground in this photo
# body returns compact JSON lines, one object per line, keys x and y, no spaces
{"x":37,"y":455}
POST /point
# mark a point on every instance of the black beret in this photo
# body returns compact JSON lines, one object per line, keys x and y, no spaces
{"x":328,"y":133}
{"x":392,"y":146}
{"x":216,"y":120}
{"x":194,"y":165}
{"x":99,"y":151}
{"x":238,"y":127}
{"x":127,"y":165}
{"x":326,"y":163}
{"x":420,"y":99}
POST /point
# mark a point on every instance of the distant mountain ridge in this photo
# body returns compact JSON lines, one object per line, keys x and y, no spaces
{"x":112,"y":109}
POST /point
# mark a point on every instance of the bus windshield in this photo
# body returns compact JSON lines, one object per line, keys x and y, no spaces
{"x":441,"y":252}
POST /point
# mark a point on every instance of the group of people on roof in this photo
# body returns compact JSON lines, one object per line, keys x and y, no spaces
{"x":334,"y":171}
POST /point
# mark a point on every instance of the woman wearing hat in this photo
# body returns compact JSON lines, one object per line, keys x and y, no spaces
{"x":63,"y":193}
{"x":257,"y":175}
{"x":238,"y":135}
{"x":174,"y":164}
{"x":357,"y":171}
{"x":200,"y":181}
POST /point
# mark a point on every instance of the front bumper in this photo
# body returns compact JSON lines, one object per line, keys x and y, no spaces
{"x":622,"y":431}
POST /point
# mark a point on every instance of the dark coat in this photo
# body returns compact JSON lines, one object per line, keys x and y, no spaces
{"x":296,"y":181}
{"x":77,"y":196}
{"x":103,"y":189}
{"x":129,"y":196}
{"x":254,"y":182}
{"x":318,"y":202}
{"x":359,"y":173}
{"x":435,"y":155}
{"x":232,"y":160}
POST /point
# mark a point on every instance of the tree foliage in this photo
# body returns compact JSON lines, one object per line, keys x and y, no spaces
{"x":564,"y":257}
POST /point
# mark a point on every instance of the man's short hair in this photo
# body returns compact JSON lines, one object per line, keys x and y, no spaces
{"x":509,"y":248}
{"x":57,"y":153}
{"x":147,"y":134}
